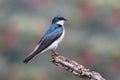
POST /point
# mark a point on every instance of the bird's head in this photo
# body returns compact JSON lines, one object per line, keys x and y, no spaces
{"x":59,"y":20}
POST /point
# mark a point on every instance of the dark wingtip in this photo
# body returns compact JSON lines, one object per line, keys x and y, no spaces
{"x":25,"y":60}
{"x":29,"y":57}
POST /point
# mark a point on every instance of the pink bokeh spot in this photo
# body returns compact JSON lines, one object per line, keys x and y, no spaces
{"x":88,"y":11}
{"x":10,"y":37}
{"x":88,"y":59}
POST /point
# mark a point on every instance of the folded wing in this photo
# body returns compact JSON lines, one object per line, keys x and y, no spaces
{"x":51,"y":36}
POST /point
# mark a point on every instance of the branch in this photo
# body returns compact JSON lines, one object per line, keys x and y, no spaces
{"x":74,"y":67}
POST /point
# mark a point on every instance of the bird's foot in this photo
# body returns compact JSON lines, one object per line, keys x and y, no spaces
{"x":54,"y":53}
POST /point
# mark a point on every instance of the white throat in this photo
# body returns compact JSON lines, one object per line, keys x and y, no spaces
{"x":61,"y":22}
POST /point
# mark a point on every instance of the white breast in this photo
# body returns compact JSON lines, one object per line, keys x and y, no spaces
{"x":61,"y":22}
{"x":55,"y":44}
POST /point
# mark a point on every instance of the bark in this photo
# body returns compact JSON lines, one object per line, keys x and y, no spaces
{"x":75,"y":68}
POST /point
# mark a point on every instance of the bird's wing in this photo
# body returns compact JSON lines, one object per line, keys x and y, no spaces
{"x":50,"y":36}
{"x":48,"y":39}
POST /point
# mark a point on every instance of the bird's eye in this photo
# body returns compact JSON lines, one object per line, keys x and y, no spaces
{"x":61,"y":19}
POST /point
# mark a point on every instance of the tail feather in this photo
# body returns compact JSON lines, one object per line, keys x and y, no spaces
{"x":28,"y":58}
{"x":36,"y":51}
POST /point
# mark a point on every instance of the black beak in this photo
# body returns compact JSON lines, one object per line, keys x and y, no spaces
{"x":65,"y":19}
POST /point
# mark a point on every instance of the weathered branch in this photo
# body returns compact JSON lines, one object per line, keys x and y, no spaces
{"x":74,"y":67}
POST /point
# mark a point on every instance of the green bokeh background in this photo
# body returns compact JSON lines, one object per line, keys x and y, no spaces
{"x":92,"y":37}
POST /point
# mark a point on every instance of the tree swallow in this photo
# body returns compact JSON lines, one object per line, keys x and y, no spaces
{"x":51,"y":39}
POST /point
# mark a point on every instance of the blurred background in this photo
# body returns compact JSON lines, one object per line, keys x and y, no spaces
{"x":92,"y":37}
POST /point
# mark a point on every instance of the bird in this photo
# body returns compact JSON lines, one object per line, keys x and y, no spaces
{"x":50,"y":40}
